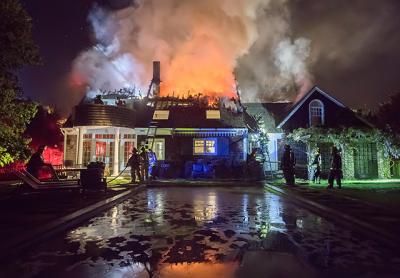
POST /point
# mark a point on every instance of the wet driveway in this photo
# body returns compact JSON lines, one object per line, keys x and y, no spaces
{"x":207,"y":232}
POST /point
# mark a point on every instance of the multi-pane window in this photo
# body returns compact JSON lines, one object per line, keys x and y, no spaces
{"x":101,"y":151}
{"x":316,"y":113}
{"x":158,"y":147}
{"x":206,"y":146}
{"x":129,"y":136}
{"x":104,"y":136}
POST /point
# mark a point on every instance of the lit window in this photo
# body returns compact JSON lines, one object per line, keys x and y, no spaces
{"x":206,"y":146}
{"x":100,"y":151}
{"x":199,"y":146}
{"x":213,"y":114}
{"x":316,"y":113}
{"x":158,"y":147}
{"x":161,"y":115}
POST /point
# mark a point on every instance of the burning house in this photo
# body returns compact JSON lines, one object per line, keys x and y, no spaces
{"x":217,"y":135}
{"x":180,"y":131}
{"x":178,"y":134}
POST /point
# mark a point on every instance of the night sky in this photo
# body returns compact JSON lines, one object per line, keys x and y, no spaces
{"x":61,"y":30}
{"x":355,"y":47}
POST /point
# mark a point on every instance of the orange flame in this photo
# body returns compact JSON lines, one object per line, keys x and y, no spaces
{"x":202,"y":65}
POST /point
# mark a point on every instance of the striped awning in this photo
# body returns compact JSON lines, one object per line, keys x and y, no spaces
{"x":206,"y":132}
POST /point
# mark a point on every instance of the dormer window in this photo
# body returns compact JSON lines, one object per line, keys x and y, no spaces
{"x":161,"y":115}
{"x":316,"y":113}
{"x":213,"y":115}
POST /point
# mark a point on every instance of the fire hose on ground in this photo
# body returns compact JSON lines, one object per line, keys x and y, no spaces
{"x":120,"y":173}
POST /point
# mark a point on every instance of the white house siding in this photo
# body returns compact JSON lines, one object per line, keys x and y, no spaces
{"x":84,"y":149}
{"x":273,"y":151}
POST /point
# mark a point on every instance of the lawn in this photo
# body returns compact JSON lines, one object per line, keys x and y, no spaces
{"x":369,"y":184}
{"x":385,"y":193}
{"x":118,"y":181}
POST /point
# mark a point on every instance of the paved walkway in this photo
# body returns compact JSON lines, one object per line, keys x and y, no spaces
{"x":373,"y":219}
{"x":207,"y":232}
{"x":203,"y":183}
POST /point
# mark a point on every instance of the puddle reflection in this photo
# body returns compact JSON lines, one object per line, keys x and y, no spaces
{"x":199,"y":232}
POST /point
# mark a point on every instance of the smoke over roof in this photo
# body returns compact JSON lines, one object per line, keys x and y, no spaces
{"x":202,"y":45}
{"x":276,"y":48}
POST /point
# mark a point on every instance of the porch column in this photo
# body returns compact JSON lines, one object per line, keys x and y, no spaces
{"x":65,"y":145}
{"x":80,"y":146}
{"x":116,"y":153}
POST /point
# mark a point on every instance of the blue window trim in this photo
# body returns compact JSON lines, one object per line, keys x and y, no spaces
{"x":204,"y":151}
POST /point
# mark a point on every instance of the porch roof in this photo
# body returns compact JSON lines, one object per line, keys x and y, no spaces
{"x":205,"y":132}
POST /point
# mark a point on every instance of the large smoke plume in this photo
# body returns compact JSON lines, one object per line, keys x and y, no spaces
{"x":202,"y":45}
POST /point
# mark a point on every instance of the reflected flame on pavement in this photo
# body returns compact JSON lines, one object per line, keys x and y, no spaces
{"x":205,"y":209}
{"x":200,"y":270}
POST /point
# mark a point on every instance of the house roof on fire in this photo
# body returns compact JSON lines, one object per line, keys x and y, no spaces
{"x":142,"y":115}
{"x":192,"y":117}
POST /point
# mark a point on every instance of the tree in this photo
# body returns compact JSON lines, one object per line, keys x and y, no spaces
{"x":17,"y":50}
{"x":15,"y":114}
{"x":17,"y":46}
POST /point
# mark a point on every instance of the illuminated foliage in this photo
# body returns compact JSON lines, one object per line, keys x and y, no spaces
{"x":14,"y":117}
{"x":17,"y":50}
{"x":5,"y":157}
{"x":388,"y":145}
{"x":350,"y":137}
{"x":262,"y":137}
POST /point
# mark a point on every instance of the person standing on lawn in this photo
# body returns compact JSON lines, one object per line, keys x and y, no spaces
{"x":288,"y":165}
{"x":152,"y":158}
{"x":316,"y":167}
{"x":335,"y":172}
{"x":144,"y":163}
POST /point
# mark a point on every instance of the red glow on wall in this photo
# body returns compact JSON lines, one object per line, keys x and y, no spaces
{"x":100,"y":149}
{"x":53,"y":156}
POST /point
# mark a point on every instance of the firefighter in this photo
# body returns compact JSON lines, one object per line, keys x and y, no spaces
{"x":152,"y":157}
{"x":250,"y":162}
{"x":36,"y":163}
{"x":316,"y":167}
{"x":288,"y":163}
{"x":144,"y":163}
{"x":335,"y":172}
{"x":134,"y":163}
